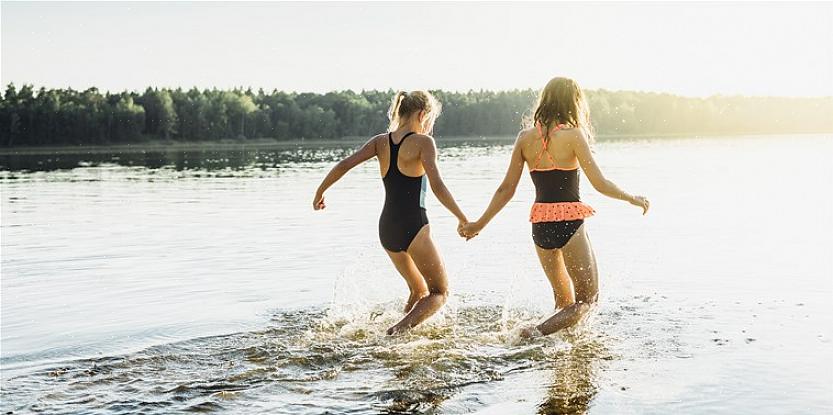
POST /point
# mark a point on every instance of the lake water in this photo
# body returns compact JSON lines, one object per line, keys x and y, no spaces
{"x":162,"y":282}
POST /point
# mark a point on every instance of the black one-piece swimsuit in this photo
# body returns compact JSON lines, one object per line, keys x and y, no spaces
{"x":404,"y":212}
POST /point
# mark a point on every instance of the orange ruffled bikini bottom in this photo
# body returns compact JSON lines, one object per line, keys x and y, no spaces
{"x":559,"y":212}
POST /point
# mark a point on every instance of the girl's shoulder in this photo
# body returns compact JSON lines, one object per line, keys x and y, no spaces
{"x":379,"y":139}
{"x":526,"y":135}
{"x":574,"y":134}
{"x":423,"y":139}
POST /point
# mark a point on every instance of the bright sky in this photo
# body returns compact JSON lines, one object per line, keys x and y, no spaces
{"x":685,"y":48}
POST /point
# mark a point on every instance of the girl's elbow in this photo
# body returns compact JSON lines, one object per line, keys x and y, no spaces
{"x":505,"y":192}
{"x":602,"y":186}
{"x":507,"y":188}
{"x":440,"y":190}
{"x":343,"y":166}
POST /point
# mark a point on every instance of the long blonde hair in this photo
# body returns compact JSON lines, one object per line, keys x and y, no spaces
{"x":405,"y":104}
{"x":561,"y":102}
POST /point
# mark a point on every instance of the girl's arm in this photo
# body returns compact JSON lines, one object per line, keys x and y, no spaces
{"x":503,"y":194}
{"x":428,"y":155}
{"x":365,"y":153}
{"x":597,"y":179}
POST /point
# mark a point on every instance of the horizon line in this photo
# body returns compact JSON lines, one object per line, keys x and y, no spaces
{"x":459,"y":91}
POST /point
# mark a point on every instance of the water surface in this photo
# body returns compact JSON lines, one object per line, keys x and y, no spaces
{"x":161,"y":282}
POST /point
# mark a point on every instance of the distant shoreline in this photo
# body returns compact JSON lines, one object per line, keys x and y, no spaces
{"x":268,"y":143}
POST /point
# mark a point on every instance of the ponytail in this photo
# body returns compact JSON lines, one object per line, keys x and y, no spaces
{"x":393,"y":112}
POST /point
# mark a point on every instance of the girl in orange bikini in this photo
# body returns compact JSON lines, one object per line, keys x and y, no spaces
{"x":554,"y":147}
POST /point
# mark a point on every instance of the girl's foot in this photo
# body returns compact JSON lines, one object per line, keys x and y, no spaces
{"x":530,"y":332}
{"x":395,"y":330}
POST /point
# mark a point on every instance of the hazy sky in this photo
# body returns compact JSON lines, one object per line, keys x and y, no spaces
{"x":685,"y":48}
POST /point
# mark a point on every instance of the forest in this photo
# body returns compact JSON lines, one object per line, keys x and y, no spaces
{"x":62,"y":117}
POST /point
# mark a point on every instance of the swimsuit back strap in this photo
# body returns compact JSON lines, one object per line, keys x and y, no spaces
{"x":393,"y":154}
{"x":394,"y":151}
{"x":404,"y":137}
{"x":544,"y":143}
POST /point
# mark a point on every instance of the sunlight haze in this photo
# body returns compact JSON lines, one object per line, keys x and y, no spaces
{"x":695,"y":49}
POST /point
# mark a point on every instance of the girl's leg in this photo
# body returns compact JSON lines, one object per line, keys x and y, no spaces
{"x":552,"y":261}
{"x":430,"y":265}
{"x":580,"y":262}
{"x":581,"y":265}
{"x":416,"y":283}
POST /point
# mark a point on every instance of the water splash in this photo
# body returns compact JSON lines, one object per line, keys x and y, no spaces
{"x":313,"y":355}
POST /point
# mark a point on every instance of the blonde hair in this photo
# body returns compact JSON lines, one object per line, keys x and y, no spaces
{"x":405,"y":104}
{"x":561,"y":102}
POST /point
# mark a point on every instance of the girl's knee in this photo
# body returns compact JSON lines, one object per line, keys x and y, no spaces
{"x":441,"y":293}
{"x":588,"y":298}
{"x":417,"y":294}
{"x":438,"y":286}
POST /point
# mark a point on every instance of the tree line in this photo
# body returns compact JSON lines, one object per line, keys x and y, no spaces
{"x":30,"y":117}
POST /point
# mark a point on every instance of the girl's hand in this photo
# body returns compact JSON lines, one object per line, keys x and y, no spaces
{"x":318,"y":202}
{"x":470,"y":230}
{"x":460,"y":225}
{"x":641,"y":201}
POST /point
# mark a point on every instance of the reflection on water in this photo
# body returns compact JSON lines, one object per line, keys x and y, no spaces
{"x":169,"y":281}
{"x":573,"y":384}
{"x":177,"y":160}
{"x":239,"y":158}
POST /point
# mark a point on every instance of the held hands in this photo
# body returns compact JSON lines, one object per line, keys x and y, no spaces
{"x":641,"y":201}
{"x":469,"y":230}
{"x":460,"y":225}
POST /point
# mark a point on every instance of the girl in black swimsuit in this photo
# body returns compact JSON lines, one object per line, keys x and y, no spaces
{"x":404,"y":212}
{"x":407,"y":157}
{"x":561,"y":132}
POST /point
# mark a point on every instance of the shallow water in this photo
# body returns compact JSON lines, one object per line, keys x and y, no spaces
{"x":202,"y":281}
